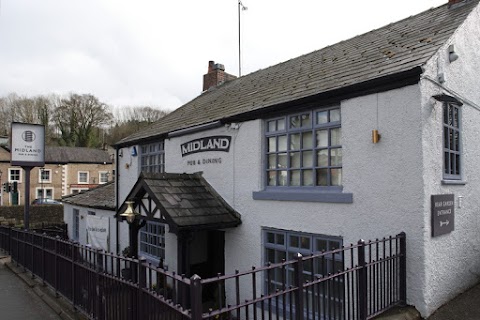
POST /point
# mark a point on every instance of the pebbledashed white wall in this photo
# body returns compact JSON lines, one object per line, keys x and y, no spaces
{"x":452,"y":261}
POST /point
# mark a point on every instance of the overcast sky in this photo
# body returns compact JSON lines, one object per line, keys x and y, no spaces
{"x":155,"y":52}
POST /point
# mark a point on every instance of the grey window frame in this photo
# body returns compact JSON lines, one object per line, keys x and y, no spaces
{"x":152,"y":157}
{"x":452,"y":151}
{"x":149,"y":241}
{"x":313,"y":248}
{"x":314,"y":193}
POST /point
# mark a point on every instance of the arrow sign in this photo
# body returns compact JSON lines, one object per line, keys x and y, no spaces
{"x":443,"y":214}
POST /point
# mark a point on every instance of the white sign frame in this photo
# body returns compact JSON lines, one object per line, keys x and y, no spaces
{"x":27,"y":145}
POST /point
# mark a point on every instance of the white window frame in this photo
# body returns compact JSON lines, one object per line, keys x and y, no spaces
{"x":10,"y":175}
{"x":38,"y":189}
{"x":100,"y":174}
{"x":78,"y":177}
{"x":40,"y":176}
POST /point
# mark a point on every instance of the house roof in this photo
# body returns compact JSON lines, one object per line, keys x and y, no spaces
{"x":64,"y":155}
{"x":101,"y":197}
{"x":185,"y":201}
{"x":395,"y":49}
{"x":76,"y":155}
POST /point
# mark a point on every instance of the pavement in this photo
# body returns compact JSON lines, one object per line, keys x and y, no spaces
{"x":30,"y":299}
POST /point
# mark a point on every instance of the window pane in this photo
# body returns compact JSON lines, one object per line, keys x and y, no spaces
{"x":457,"y":164}
{"x":272,"y":161}
{"x":307,"y":140}
{"x":295,"y":122}
{"x":295,"y":177}
{"x":445,"y":138}
{"x":336,"y":177}
{"x":281,"y":124}
{"x":294,"y":241}
{"x":452,"y":163}
{"x":322,"y":138}
{"x":336,"y":157}
{"x":282,"y":178}
{"x":295,"y":141}
{"x":280,"y":239}
{"x":272,"y":146}
{"x":334,"y":245}
{"x":322,"y":158}
{"x":455,"y":117}
{"x":272,"y":178}
{"x":305,"y":242}
{"x":295,"y":159}
{"x":270,"y":255}
{"x":307,"y":177}
{"x":334,"y":115}
{"x":307,"y":159}
{"x":321,"y":245}
{"x":447,"y":162}
{"x":336,"y":136}
{"x":322,"y":117}
{"x":282,"y":143}
{"x":456,"y":141}
{"x":271,"y":126}
{"x":322,"y":177}
{"x":306,"y":122}
{"x":282,"y":160}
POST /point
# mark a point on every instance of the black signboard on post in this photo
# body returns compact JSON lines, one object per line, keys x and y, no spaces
{"x":443,"y":214}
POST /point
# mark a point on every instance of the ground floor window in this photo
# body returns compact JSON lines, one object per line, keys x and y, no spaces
{"x":45,"y":193}
{"x":152,"y":241}
{"x":283,"y":245}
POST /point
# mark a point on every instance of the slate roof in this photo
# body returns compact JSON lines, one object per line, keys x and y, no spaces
{"x":398,"y":47}
{"x":101,"y":197}
{"x":76,"y":155}
{"x":186,"y":201}
{"x":64,"y":155}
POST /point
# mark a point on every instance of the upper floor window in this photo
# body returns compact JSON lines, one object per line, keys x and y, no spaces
{"x":305,"y":149}
{"x":44,"y":175}
{"x":14,"y":175}
{"x":103,"y":177}
{"x":452,"y":160}
{"x":83,"y":177}
{"x":152,"y":157}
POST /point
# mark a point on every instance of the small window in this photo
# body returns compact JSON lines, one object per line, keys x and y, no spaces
{"x":44,"y":193}
{"x":91,"y":213}
{"x":103,"y":177}
{"x":152,"y":158}
{"x":452,"y":159}
{"x":83,"y":177}
{"x":14,"y":175}
{"x":44,"y":175}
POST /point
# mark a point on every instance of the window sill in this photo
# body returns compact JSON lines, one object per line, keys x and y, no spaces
{"x":303,"y":195}
{"x":454,"y":182}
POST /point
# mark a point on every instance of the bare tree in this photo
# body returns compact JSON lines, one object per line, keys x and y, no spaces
{"x":77,"y":117}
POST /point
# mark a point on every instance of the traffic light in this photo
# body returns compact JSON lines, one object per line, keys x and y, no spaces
{"x":6,"y":187}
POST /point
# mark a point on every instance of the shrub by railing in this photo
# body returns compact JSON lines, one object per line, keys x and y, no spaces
{"x":355,"y":282}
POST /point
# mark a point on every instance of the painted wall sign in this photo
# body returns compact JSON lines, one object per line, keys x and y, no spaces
{"x":28,"y":145}
{"x":213,"y":143}
{"x":443,"y":214}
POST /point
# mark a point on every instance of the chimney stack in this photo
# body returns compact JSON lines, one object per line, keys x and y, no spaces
{"x":215,"y":76}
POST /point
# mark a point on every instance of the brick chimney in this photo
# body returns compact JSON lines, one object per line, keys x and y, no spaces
{"x":454,"y":2}
{"x":215,"y":76}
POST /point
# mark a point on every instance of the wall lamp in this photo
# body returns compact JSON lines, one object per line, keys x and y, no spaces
{"x":129,"y":214}
{"x":120,"y":152}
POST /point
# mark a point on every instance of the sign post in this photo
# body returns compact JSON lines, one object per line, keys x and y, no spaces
{"x":28,"y":151}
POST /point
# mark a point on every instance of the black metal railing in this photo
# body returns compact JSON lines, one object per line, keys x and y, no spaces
{"x":359,"y":281}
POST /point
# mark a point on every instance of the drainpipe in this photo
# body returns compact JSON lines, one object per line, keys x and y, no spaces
{"x":116,"y":201}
